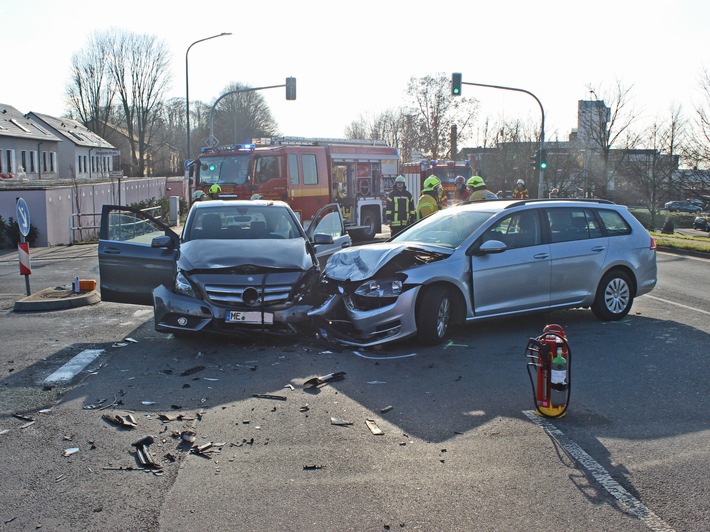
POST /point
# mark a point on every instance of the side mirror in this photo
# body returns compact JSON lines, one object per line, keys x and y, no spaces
{"x":162,"y":242}
{"x":488,"y":247}
{"x":322,"y":238}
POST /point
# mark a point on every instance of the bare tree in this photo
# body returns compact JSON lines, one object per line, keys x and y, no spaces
{"x":602,"y":127}
{"x":90,"y":90}
{"x":243,"y":116}
{"x":139,"y":66}
{"x":435,"y":111}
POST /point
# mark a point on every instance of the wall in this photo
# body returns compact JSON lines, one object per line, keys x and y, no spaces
{"x":51,"y":207}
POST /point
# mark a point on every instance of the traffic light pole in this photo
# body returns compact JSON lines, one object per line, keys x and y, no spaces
{"x":290,"y":95}
{"x":542,"y":127}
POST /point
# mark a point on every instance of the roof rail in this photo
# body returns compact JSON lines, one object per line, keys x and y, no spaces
{"x":274,"y":141}
{"x":543,"y":200}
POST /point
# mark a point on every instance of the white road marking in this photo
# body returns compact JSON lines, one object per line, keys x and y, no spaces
{"x":73,"y":367}
{"x":677,"y":304}
{"x":628,"y":501}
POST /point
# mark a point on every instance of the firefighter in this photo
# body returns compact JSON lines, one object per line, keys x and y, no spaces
{"x":478,"y":189}
{"x":461,"y":193}
{"x":520,"y":191}
{"x":214,"y":191}
{"x":429,"y":201}
{"x":400,"y":211}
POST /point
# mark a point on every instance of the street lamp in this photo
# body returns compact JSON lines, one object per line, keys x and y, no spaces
{"x":187,"y":87}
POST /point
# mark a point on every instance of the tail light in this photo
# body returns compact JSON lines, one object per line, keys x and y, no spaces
{"x":653,"y":244}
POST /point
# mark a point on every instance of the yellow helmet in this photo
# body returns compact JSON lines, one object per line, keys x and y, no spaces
{"x":475,"y":182}
{"x":431,"y":182}
{"x":215,"y":189}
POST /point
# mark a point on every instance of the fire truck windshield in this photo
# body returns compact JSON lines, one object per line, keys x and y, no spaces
{"x":223,"y":169}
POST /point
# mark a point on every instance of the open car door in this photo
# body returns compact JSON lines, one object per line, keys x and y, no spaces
{"x":137,"y":253}
{"x":328,"y":221}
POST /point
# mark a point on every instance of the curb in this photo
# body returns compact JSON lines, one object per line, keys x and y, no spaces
{"x":56,"y":299}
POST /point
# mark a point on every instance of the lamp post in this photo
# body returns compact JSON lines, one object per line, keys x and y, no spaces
{"x":187,"y":87}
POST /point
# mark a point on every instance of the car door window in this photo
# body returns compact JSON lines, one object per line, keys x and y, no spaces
{"x":566,"y":225}
{"x":516,"y":231}
{"x":125,"y":226}
{"x":613,"y":222}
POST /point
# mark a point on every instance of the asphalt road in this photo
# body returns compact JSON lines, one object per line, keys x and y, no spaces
{"x":457,"y":451}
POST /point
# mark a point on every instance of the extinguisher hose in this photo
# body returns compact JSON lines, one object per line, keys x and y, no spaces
{"x":569,"y":376}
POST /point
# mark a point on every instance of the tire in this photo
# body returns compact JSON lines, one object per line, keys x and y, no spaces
{"x":614,"y":297}
{"x":433,"y":316}
{"x":370,"y":219}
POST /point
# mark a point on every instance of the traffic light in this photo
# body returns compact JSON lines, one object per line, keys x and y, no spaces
{"x":456,"y":84}
{"x":543,"y":159}
{"x":534,"y":160}
{"x":290,"y":88}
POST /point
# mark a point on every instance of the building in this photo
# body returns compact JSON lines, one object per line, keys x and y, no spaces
{"x":82,"y":154}
{"x":28,"y":150}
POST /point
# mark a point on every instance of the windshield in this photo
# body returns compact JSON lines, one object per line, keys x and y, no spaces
{"x":238,"y":222}
{"x":447,"y":229}
{"x":223,"y":169}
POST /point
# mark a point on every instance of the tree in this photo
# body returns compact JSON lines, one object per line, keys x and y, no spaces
{"x":91,"y":90}
{"x":434,"y":111}
{"x":139,"y":66}
{"x":601,"y":128}
{"x":240,"y":117}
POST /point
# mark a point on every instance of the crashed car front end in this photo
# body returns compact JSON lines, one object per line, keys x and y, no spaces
{"x":238,"y":288}
{"x":369,"y":293}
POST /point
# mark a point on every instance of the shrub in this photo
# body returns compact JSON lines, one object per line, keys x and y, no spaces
{"x":10,"y":233}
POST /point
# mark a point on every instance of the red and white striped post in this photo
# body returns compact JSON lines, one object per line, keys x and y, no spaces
{"x":23,"y":251}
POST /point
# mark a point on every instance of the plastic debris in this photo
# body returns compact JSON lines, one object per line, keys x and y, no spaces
{"x":339,"y":421}
{"x":373,"y":427}
{"x":317,"y":381}
{"x":312,"y":467}
{"x":144,"y":456}
{"x":386,"y":409}
{"x":70,"y":451}
{"x":122,"y":421}
{"x":147,"y":403}
{"x":191,"y":371}
{"x":269,"y":396}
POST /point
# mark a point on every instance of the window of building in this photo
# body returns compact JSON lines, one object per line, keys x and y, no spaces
{"x":78,"y":164}
{"x":310,"y":170}
{"x":52,"y":161}
{"x":33,"y":161}
{"x":44,"y":161}
{"x":23,"y":160}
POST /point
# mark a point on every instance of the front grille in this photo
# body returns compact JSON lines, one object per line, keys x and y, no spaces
{"x":227,"y":295}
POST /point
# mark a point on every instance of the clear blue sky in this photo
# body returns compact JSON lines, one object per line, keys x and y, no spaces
{"x":353,"y":58}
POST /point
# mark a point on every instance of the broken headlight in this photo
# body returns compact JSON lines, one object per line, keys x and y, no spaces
{"x":183,"y":286}
{"x":375,"y":294}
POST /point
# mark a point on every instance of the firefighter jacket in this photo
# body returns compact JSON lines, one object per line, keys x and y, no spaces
{"x":520,"y":193}
{"x":399,"y":208}
{"x":427,"y":204}
{"x":462,"y":194}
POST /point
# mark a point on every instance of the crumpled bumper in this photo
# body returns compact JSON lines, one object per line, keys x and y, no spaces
{"x":178,"y":313}
{"x":338,"y":322}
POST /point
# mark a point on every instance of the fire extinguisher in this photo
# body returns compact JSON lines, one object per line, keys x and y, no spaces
{"x":551,"y":356}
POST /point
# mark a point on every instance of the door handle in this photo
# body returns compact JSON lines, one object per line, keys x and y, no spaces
{"x":345,"y":245}
{"x":112,"y":251}
{"x":598,"y":248}
{"x":541,"y":256}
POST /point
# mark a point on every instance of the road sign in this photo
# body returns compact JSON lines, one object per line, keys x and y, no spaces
{"x":23,"y":250}
{"x":115,"y":174}
{"x":107,"y":153}
{"x":23,"y":216}
{"x":188,"y":163}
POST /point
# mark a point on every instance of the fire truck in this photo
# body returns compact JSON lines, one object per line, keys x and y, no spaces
{"x":307,"y":173}
{"x":415,"y":172}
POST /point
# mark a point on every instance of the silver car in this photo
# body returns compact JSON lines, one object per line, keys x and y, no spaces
{"x":239,"y":267}
{"x":483,"y":260}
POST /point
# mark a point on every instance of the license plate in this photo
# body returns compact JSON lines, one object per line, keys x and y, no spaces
{"x":234,"y":316}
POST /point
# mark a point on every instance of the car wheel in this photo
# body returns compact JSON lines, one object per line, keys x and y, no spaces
{"x":370,"y":221}
{"x":614,"y":297}
{"x":433,"y":316}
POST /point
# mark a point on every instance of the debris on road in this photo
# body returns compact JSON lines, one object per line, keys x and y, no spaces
{"x":373,"y":427}
{"x":386,"y":409}
{"x":206,"y":449}
{"x":270,"y":396}
{"x":70,"y":451}
{"x":144,"y":456}
{"x":317,"y":381}
{"x":312,"y":467}
{"x":147,"y":403}
{"x":188,"y":435}
{"x":122,"y":421}
{"x":191,"y":371}
{"x":338,"y":421}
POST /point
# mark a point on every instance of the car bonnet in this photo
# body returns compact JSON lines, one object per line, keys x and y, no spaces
{"x":287,"y":254}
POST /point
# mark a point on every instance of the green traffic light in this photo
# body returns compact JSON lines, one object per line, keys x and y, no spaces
{"x":543,"y":165}
{"x":211,"y":168}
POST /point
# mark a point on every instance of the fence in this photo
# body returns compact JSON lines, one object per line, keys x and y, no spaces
{"x":79,"y":231}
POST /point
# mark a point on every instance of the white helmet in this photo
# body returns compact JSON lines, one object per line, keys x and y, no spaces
{"x":520,"y":182}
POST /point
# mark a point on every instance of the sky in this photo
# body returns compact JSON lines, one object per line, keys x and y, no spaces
{"x":355,"y":59}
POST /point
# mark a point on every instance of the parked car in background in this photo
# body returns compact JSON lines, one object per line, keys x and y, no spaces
{"x":701,"y":222}
{"x":238,"y":267}
{"x":682,"y":206}
{"x":483,"y":260}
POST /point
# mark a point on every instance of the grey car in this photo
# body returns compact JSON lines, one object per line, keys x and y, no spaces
{"x":486,"y":259}
{"x":238,"y":267}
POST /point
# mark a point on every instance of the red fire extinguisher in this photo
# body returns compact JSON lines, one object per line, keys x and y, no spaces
{"x":550,"y":355}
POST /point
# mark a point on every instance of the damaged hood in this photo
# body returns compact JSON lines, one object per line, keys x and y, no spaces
{"x":363,"y":262}
{"x":287,"y":254}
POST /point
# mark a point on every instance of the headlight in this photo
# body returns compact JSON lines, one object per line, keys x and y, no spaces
{"x":183,"y":286}
{"x":386,"y":289}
